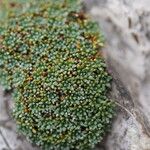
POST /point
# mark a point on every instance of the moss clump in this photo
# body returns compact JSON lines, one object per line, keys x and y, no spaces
{"x":50,"y":55}
{"x":64,"y":105}
{"x":24,"y":34}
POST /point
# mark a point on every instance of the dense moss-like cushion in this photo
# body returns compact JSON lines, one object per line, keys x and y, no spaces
{"x":50,"y":56}
{"x":64,"y":105}
{"x":22,"y":36}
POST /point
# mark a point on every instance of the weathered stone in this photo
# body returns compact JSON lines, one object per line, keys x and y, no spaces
{"x":2,"y":143}
{"x":126,"y":25}
{"x":9,"y":137}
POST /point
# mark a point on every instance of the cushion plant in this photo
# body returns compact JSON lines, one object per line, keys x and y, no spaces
{"x":50,"y":56}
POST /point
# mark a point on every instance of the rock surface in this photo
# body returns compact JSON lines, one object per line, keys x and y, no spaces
{"x":126,"y":25}
{"x":9,"y":138}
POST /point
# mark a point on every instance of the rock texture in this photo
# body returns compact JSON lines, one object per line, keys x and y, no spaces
{"x":9,"y":138}
{"x":126,"y":25}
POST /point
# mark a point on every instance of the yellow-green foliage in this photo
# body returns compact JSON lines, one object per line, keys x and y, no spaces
{"x":19,"y":38}
{"x":50,"y":56}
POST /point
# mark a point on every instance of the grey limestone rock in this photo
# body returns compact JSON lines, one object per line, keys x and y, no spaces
{"x":126,"y":26}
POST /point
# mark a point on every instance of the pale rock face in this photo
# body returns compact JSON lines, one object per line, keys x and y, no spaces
{"x":9,"y":137}
{"x":126,"y":27}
